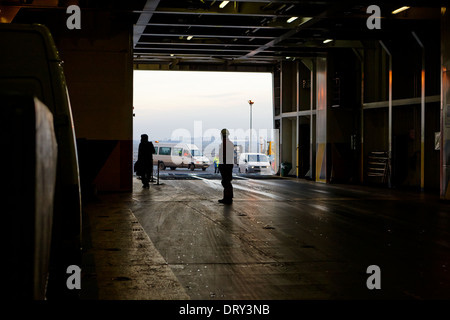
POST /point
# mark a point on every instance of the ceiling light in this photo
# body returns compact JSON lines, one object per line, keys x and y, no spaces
{"x":400,"y":10}
{"x":223,"y":4}
{"x":189,"y":37}
{"x":328,"y":40}
{"x":291,"y":19}
{"x":304,"y":20}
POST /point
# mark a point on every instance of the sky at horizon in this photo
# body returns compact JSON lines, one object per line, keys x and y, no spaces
{"x":174,"y":104}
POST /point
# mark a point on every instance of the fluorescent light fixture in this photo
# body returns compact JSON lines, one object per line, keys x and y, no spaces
{"x":291,"y":19}
{"x":189,"y":37}
{"x":400,"y":10}
{"x":328,"y":40}
{"x":304,"y":20}
{"x":223,"y":4}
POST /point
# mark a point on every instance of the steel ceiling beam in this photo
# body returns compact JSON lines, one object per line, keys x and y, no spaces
{"x":302,"y":2}
{"x":169,"y":11}
{"x":266,"y":36}
{"x":231,"y":26}
{"x":144,"y":18}
{"x":279,"y":39}
{"x":226,"y":36}
{"x":176,"y":43}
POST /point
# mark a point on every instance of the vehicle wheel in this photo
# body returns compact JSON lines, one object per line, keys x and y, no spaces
{"x":191,"y":167}
{"x":246,"y":170}
{"x":239,"y":170}
{"x":162,"y":166}
{"x":172,"y":168}
{"x":203,"y":169}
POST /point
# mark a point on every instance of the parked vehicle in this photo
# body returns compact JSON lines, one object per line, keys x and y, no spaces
{"x":31,"y":74}
{"x":179,"y":155}
{"x":254,"y":163}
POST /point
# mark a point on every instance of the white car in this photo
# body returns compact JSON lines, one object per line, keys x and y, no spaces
{"x":254,"y":163}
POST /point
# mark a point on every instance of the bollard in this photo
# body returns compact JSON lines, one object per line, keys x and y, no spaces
{"x":159,"y":161}
{"x":152,"y":177}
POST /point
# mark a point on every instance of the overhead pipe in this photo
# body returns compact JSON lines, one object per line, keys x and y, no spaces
{"x":389,"y":116}
{"x":422,"y":115}
{"x":360,"y":57}
{"x":297,"y":118}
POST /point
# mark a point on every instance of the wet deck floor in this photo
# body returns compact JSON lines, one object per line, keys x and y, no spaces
{"x":280,"y":239}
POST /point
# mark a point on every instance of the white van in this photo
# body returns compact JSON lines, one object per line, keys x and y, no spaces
{"x":31,"y":75}
{"x":179,"y":155}
{"x":254,"y":163}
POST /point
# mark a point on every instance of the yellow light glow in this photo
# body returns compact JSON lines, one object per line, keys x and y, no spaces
{"x":400,"y":10}
{"x":292,"y":19}
{"x":328,"y":40}
{"x":223,"y":4}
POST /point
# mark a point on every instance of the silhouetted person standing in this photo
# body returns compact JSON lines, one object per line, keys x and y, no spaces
{"x":226,"y":156}
{"x":145,"y":160}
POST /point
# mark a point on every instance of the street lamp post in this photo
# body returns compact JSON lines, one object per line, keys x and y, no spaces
{"x":250,"y":102}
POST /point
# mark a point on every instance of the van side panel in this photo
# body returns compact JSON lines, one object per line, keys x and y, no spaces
{"x":179,"y":156}
{"x":29,"y":64}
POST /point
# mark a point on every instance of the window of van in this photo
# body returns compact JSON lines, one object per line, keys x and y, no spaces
{"x":177,"y":152}
{"x":156,"y":150}
{"x":164,"y":151}
{"x":257,"y":158}
{"x":196,"y":153}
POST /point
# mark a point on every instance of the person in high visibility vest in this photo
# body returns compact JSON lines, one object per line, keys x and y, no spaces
{"x":226,"y":156}
{"x":216,"y":164}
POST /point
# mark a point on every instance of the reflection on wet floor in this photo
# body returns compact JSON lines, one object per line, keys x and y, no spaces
{"x":293,"y":239}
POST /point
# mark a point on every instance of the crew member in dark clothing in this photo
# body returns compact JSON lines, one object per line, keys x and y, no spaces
{"x":226,"y":156}
{"x":144,"y":165}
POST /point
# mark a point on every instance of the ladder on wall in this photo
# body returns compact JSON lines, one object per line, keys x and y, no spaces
{"x":378,"y":165}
